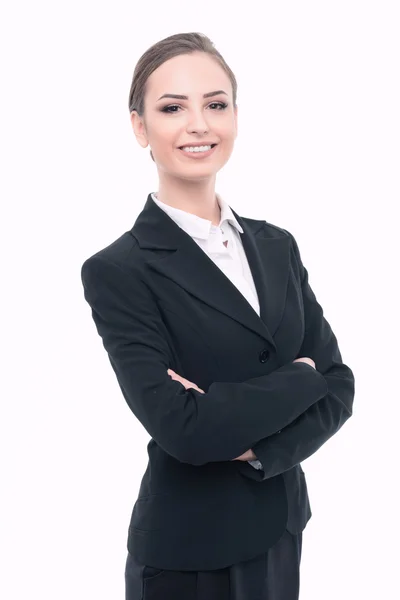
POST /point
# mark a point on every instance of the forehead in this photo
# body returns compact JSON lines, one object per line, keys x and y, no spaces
{"x":189,"y":74}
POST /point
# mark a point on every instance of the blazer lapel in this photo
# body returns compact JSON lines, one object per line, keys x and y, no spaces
{"x":192,"y":269}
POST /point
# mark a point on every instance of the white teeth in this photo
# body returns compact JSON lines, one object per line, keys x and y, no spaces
{"x":196,"y":148}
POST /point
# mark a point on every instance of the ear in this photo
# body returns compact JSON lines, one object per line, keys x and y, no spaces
{"x":139,"y":129}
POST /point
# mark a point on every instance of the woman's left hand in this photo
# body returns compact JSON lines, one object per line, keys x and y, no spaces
{"x":185,"y":382}
{"x":249,"y":454}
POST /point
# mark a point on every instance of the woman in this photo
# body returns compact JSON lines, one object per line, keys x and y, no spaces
{"x":221,"y":351}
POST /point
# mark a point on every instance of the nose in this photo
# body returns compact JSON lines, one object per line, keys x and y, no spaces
{"x":198,"y":123}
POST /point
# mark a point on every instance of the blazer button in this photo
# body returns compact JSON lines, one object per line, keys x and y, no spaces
{"x":264,"y":354}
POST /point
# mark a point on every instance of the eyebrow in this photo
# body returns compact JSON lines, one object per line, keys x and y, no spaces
{"x":180,"y":97}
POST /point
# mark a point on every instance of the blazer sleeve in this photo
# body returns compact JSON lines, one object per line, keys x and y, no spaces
{"x":195,"y":428}
{"x":318,"y":423}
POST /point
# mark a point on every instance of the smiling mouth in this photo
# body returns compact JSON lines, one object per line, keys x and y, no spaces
{"x":181,"y":147}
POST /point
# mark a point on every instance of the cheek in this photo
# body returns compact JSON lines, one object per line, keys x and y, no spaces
{"x":228,"y":137}
{"x":230,"y":142}
{"x":162,"y":136}
{"x":226,"y":148}
{"x":165,"y":151}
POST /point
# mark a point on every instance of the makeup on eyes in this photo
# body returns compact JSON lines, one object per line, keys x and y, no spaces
{"x":222,"y":105}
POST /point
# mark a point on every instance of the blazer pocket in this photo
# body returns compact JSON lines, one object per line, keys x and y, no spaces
{"x":151,"y":512}
{"x":151,"y":572}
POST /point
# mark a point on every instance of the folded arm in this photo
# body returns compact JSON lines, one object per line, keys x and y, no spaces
{"x":193,"y":427}
{"x":318,"y":423}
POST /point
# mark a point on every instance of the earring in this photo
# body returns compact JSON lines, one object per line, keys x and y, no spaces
{"x":152,"y":157}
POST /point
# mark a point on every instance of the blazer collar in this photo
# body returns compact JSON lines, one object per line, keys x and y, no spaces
{"x":196,"y":226}
{"x":191,"y":268}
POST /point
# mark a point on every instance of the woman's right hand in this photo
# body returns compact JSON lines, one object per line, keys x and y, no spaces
{"x":307,"y":360}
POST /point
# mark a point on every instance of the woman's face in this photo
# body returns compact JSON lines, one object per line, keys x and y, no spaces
{"x":170,"y":123}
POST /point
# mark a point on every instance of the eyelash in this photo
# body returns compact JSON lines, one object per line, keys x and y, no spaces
{"x":165,"y":109}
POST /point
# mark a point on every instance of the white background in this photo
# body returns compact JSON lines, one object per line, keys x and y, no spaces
{"x":317,"y":153}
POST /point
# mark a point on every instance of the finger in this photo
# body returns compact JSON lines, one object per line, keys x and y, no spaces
{"x":185,"y":382}
{"x":178,"y":377}
{"x":174,"y":375}
{"x":181,"y":380}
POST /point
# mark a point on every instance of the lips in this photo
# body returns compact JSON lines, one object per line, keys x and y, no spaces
{"x":196,"y":145}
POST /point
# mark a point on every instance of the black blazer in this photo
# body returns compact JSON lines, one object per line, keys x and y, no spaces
{"x":159,"y":302}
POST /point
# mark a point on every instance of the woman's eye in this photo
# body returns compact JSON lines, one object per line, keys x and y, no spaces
{"x":221,"y":105}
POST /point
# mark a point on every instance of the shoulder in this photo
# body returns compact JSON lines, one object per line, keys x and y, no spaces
{"x":266,"y":228}
{"x":262,"y":228}
{"x":121,"y":252}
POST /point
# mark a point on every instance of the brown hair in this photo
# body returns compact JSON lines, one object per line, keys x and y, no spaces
{"x":156,"y":55}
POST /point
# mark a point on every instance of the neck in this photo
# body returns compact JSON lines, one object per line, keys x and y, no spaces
{"x":199,"y":200}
